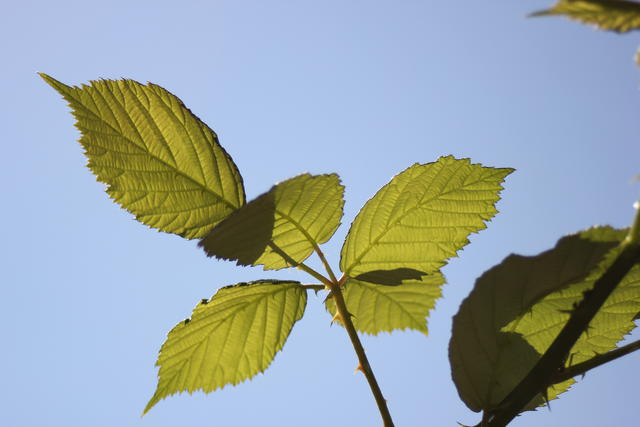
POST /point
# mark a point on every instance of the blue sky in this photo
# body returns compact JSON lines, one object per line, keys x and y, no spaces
{"x":360,"y":88}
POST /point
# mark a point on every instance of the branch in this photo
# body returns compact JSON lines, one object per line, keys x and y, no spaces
{"x":594,"y":362}
{"x":542,"y":374}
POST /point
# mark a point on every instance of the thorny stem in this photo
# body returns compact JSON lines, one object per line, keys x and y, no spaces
{"x":542,"y":374}
{"x":345,"y":317}
{"x":594,"y":362}
{"x":335,"y":286}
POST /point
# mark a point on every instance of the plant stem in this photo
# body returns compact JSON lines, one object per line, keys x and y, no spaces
{"x":542,"y":374}
{"x":594,"y":362}
{"x":327,"y":267}
{"x":335,"y":286}
{"x":345,"y":317}
{"x":300,"y":265}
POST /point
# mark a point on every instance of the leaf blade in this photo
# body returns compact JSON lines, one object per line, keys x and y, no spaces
{"x":409,"y":229}
{"x":609,"y":15}
{"x":230,"y":338}
{"x":296,"y":215}
{"x":422,"y":217}
{"x":385,"y":308}
{"x":159,"y":161}
{"x":500,"y":319}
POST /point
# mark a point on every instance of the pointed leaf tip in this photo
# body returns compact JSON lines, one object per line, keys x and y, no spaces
{"x":609,"y":15}
{"x":159,"y":161}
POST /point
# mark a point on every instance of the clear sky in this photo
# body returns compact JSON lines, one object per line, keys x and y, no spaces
{"x":360,"y":88}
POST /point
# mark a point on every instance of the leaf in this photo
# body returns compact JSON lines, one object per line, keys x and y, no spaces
{"x":159,"y":161}
{"x":513,"y":309}
{"x":379,"y":308}
{"x":406,"y":232}
{"x":422,"y":217}
{"x":230,"y":338}
{"x":613,"y":15}
{"x":614,"y":320}
{"x":296,"y":216}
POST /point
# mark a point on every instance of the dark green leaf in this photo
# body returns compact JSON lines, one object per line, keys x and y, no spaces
{"x":517,"y":309}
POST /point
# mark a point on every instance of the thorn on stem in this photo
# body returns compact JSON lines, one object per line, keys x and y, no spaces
{"x":359,"y":368}
{"x":336,"y":318}
{"x":545,"y":396}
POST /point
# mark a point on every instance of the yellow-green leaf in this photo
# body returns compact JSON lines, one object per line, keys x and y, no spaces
{"x":383,"y":308}
{"x":230,"y":338}
{"x":293,"y":218}
{"x":612,"y":15}
{"x":421,"y":218}
{"x":407,"y":232}
{"x":159,"y":161}
{"x":517,"y":308}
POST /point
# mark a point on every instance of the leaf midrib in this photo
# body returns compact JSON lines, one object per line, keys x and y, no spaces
{"x":148,"y":153}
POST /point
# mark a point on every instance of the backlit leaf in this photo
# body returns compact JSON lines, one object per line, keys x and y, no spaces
{"x":296,"y":216}
{"x":422,"y":217}
{"x":159,"y":161}
{"x":613,"y":15}
{"x":406,"y":233}
{"x":516,"y":310}
{"x":383,"y":308}
{"x":230,"y":338}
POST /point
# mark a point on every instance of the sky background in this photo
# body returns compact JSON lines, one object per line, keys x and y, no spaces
{"x":360,"y":88}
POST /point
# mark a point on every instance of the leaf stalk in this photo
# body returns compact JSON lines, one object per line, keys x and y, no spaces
{"x":326,"y":264}
{"x":300,"y":265}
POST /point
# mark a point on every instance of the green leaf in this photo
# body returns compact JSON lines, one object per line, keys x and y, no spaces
{"x":295,"y":216}
{"x":230,"y":338}
{"x":612,"y":15}
{"x":615,"y":319}
{"x":379,"y":308}
{"x":159,"y":161}
{"x":517,"y":308}
{"x":421,"y":218}
{"x":406,"y":232}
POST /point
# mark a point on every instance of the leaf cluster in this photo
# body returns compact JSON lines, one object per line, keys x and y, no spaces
{"x":164,"y":165}
{"x":530,"y":325}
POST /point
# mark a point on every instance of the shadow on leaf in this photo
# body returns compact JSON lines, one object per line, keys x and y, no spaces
{"x":391,"y":277}
{"x":244,"y":235}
